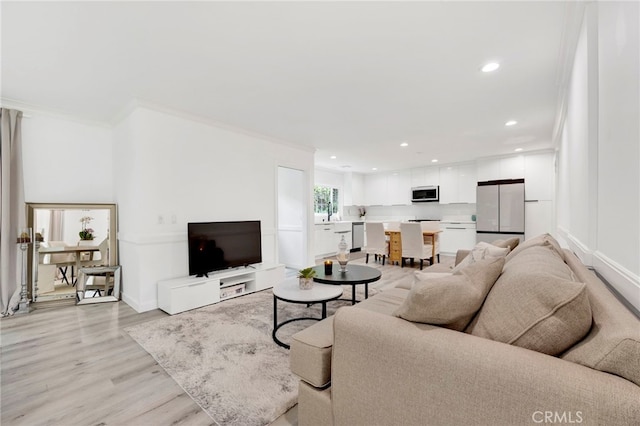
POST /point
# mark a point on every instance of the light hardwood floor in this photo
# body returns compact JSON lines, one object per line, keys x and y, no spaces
{"x":75,"y":365}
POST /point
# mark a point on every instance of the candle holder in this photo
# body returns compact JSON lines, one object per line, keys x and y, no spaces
{"x":343,"y":255}
{"x":23,"y":240}
{"x":328,"y":267}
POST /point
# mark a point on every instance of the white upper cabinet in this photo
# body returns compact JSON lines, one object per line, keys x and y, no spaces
{"x":425,"y":176}
{"x":539,"y":177}
{"x":458,"y":184}
{"x":512,"y":167}
{"x":376,"y":189}
{"x":467,"y":182}
{"x":500,"y":168}
{"x":399,"y":188}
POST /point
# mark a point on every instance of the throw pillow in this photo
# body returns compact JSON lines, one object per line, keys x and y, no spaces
{"x":418,"y":276}
{"x":543,"y":239}
{"x":481,"y":251}
{"x":511,"y":243}
{"x":535,"y":309}
{"x":451,"y":301}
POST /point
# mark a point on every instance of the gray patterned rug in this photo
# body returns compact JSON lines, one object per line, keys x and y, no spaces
{"x":224,"y":357}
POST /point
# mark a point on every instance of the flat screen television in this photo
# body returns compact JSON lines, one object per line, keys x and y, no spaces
{"x":214,"y":246}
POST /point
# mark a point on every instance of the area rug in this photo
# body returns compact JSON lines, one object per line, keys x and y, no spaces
{"x":224,"y":357}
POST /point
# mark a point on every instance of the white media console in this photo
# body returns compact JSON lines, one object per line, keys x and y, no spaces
{"x":185,"y":293}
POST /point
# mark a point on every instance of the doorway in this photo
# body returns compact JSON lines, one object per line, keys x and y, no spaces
{"x":292,"y":218}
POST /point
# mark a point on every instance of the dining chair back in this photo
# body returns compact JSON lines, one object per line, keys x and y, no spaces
{"x":376,"y":241}
{"x":62,"y":261}
{"x":413,"y":246}
{"x":432,"y":225}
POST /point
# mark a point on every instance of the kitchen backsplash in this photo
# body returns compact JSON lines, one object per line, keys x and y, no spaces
{"x":415,"y":211}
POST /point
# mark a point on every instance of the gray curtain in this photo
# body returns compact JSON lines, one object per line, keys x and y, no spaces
{"x":12,"y":207}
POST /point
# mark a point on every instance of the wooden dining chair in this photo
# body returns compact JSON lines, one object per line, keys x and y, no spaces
{"x":432,"y":225}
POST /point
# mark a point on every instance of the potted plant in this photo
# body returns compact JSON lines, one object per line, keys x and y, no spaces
{"x":305,"y":278}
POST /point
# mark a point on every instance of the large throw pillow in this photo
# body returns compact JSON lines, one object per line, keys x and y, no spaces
{"x":536,"y":305}
{"x":481,"y":251}
{"x":543,"y":239}
{"x":419,"y":276}
{"x":451,"y":301}
{"x":510,"y":243}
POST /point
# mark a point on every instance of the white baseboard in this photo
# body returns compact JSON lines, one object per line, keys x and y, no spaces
{"x":140,"y":307}
{"x":624,"y":281}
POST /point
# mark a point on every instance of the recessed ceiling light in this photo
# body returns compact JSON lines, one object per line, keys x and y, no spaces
{"x":374,"y":168}
{"x":511,"y":123}
{"x":333,"y":157}
{"x":435,"y":160}
{"x":518,"y":149}
{"x":403,"y":144}
{"x":491,"y":66}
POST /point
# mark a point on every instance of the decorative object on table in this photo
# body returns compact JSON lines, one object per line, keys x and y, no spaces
{"x":343,"y":255}
{"x":86,"y":233}
{"x":23,"y":240}
{"x":328,"y":267}
{"x":305,"y":278}
{"x":362,"y":211}
{"x":38,"y":239}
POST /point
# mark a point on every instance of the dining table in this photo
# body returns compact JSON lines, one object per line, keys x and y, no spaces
{"x":76,"y":249}
{"x":395,"y":243}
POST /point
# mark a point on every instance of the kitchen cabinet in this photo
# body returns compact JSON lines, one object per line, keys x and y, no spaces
{"x":500,"y":168}
{"x":327,"y":236}
{"x":387,"y":189}
{"x":323,"y":239}
{"x":375,"y":189}
{"x":398,"y":188}
{"x":539,"y":176}
{"x":425,"y":176}
{"x":458,"y":184}
{"x":457,"y":236}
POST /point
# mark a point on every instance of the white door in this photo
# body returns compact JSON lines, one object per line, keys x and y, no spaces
{"x":292,"y":214}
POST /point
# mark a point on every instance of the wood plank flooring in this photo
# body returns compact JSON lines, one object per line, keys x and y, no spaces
{"x":75,"y":365}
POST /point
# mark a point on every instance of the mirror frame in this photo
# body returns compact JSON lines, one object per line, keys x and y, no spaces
{"x":113,"y":234}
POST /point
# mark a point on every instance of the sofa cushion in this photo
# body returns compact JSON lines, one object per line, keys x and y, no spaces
{"x":535,"y":304}
{"x":613,"y":344}
{"x":451,"y":301}
{"x":310,"y":354}
{"x":481,"y":251}
{"x":540,"y":240}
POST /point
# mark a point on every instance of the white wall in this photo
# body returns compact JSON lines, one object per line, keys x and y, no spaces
{"x":175,"y":170}
{"x":66,"y":161}
{"x":599,"y":156}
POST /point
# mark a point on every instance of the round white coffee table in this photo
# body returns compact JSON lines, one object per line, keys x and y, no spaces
{"x":289,"y":291}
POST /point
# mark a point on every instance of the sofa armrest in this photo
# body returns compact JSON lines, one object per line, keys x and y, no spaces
{"x":460,"y":255}
{"x":386,"y":370}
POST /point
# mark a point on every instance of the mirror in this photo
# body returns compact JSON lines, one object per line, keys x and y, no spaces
{"x":69,"y":239}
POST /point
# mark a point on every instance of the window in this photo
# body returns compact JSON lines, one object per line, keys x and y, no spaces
{"x":325,"y":197}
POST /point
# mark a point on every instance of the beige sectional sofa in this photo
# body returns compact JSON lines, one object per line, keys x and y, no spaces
{"x":513,"y":363}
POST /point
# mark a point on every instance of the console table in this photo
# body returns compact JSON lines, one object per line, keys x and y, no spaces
{"x":186,"y":293}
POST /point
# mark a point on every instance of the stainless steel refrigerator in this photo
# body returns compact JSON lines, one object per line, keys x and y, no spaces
{"x":500,"y":210}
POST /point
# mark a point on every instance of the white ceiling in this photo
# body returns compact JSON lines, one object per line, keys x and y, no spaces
{"x":353,"y":79}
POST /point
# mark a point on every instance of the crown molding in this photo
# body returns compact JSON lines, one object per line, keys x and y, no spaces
{"x":29,"y":110}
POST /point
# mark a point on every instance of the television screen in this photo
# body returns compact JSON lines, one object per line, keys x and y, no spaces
{"x":220,"y":245}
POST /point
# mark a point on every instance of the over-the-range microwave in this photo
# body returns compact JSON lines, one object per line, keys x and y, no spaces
{"x":421,"y":194}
